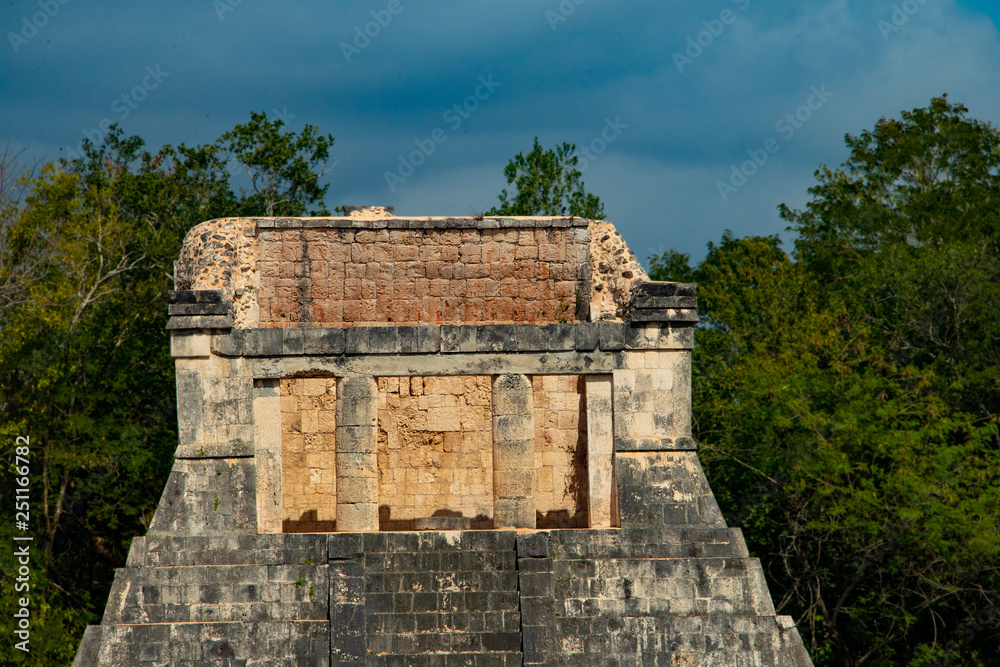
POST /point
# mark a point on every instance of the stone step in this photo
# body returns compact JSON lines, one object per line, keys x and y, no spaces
{"x":350,"y":545}
{"x":666,"y":542}
{"x":436,"y":598}
{"x":456,"y":642}
{"x":663,"y":542}
{"x":218,"y":593}
{"x":674,"y":586}
{"x":703,"y":640}
{"x":497,"y":659}
{"x":298,"y":643}
{"x":181,"y":550}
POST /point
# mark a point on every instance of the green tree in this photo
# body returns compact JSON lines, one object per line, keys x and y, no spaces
{"x":284,"y":168}
{"x":846,"y":396}
{"x":547,"y":182}
{"x":909,"y":231}
{"x":87,"y":249}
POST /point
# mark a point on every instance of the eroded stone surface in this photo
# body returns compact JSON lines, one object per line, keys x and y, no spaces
{"x":614,"y":271}
{"x":372,"y":375}
{"x":418,"y":271}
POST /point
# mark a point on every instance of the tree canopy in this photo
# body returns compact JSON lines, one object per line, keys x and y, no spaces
{"x":86,"y":254}
{"x":846,"y":387}
{"x":547,"y":182}
{"x":846,"y":395}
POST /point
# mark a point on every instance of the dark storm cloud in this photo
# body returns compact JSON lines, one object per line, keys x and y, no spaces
{"x":695,"y":89}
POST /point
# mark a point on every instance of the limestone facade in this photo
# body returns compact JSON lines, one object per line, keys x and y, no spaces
{"x":308,"y":470}
{"x":434,"y":441}
{"x":435,"y":450}
{"x":340,"y":277}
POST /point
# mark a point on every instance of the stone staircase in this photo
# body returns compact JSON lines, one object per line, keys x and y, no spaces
{"x":216,"y":600}
{"x":668,"y":595}
{"x":674,"y":595}
{"x":425,"y":599}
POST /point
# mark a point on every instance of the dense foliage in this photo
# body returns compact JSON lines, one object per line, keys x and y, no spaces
{"x":847,"y":396}
{"x":547,"y":183}
{"x":86,"y":254}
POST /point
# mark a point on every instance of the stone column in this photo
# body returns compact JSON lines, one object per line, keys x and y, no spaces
{"x":652,"y":401}
{"x":192,"y":355}
{"x":267,"y":454}
{"x":600,"y":450}
{"x":356,"y":443}
{"x":513,"y":452}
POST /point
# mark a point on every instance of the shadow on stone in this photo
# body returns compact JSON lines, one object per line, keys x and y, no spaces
{"x":308,"y":522}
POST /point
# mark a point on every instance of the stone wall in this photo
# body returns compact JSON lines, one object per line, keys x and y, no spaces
{"x":214,"y":405}
{"x":308,"y":471}
{"x":435,"y":447}
{"x":449,"y":401}
{"x":435,"y":451}
{"x":425,"y":599}
{"x":561,"y":492}
{"x":341,"y":277}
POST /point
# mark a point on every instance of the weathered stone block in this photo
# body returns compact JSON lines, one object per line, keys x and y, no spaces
{"x":190,"y":344}
{"x":262,"y":342}
{"x":497,"y":338}
{"x":611,"y":336}
{"x":361,"y":412}
{"x":518,"y":513}
{"x":198,"y":309}
{"x":514,"y":484}
{"x":586,"y":336}
{"x":356,"y":516}
{"x":372,"y":340}
{"x":532,"y":338}
{"x":535,"y":545}
{"x":458,"y":338}
{"x":356,"y":464}
{"x":420,"y":340}
{"x":323,"y":341}
{"x":561,"y":336}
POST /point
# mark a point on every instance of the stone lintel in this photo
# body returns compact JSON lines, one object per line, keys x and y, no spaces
{"x":682,"y":444}
{"x":673,"y":315}
{"x":191,"y":344}
{"x":557,"y":363}
{"x":198,"y":309}
{"x":654,"y":288}
{"x":454,"y":339}
{"x":178,"y":322}
{"x":236,"y":449}
{"x":197,"y":296}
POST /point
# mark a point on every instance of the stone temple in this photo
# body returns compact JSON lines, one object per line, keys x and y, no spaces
{"x":434,"y":441}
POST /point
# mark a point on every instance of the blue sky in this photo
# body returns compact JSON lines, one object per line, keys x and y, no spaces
{"x":668,"y":97}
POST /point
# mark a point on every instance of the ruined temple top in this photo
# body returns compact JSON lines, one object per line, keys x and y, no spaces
{"x":371,"y":267}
